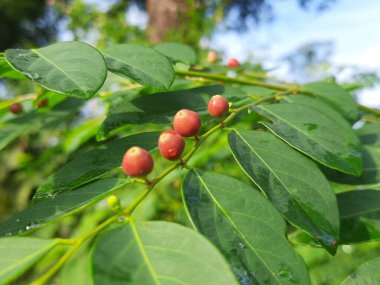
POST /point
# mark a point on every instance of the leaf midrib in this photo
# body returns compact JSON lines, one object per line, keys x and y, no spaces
{"x":234,"y":225}
{"x":298,"y":202}
{"x":59,"y":68}
{"x":143,"y":253}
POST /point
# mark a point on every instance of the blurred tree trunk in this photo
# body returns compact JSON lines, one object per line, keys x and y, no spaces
{"x":167,"y":16}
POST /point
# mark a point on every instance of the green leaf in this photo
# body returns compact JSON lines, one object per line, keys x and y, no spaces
{"x":367,"y":274}
{"x":18,"y":254}
{"x":8,"y":72}
{"x":321,"y":107}
{"x":245,"y":227}
{"x":338,"y":98}
{"x":93,"y":164}
{"x":316,"y":134}
{"x":141,"y":64}
{"x":159,"y":108}
{"x":157,"y":253}
{"x":293,"y":183}
{"x":369,"y":134}
{"x":72,"y":68}
{"x":59,"y":206}
{"x":370,"y":173}
{"x":177,"y":52}
{"x":360,"y":215}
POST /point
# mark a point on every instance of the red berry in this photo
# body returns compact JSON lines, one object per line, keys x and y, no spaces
{"x":186,"y":123}
{"x":218,"y":106}
{"x":171,"y":144}
{"x":233,"y":63}
{"x":42,"y":103}
{"x":137,"y":162}
{"x":15,"y":108}
{"x":212,"y":57}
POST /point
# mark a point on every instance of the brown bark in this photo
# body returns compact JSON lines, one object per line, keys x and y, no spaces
{"x":164,"y":16}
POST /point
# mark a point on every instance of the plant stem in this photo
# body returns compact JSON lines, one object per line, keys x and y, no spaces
{"x":77,"y":243}
{"x":233,"y":80}
{"x":51,"y":272}
{"x":369,"y":110}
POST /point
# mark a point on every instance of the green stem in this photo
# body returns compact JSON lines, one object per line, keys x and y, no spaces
{"x":233,"y":80}
{"x":129,"y":210}
{"x":54,"y":269}
{"x":369,"y":110}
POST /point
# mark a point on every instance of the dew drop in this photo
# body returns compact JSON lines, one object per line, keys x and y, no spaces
{"x":120,"y":219}
{"x":17,"y":220}
{"x":8,"y":234}
{"x":285,"y":272}
{"x":241,"y":245}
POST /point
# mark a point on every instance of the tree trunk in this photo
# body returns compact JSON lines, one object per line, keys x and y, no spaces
{"x":164,"y":16}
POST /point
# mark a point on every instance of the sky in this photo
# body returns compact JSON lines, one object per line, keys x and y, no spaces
{"x":351,"y":25}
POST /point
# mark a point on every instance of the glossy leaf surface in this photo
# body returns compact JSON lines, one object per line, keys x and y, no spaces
{"x":293,"y":183}
{"x":245,"y":227}
{"x":316,"y":134}
{"x":62,"y":204}
{"x":177,"y":52}
{"x":338,"y":98}
{"x":72,"y":68}
{"x":141,"y":64}
{"x":360,"y":215}
{"x":93,"y":164}
{"x":157,"y":253}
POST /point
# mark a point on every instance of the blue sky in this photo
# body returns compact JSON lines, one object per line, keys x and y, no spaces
{"x":352,"y":26}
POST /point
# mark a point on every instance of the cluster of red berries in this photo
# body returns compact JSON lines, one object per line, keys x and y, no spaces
{"x":16,"y":108}
{"x":137,"y":162}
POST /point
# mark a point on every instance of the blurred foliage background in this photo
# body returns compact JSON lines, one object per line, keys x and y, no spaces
{"x":38,"y":152}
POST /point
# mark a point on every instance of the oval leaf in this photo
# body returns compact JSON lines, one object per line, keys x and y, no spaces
{"x":245,"y":227}
{"x":72,"y":68}
{"x":59,"y":206}
{"x":93,"y":164}
{"x":335,"y":96}
{"x":177,"y":52}
{"x":18,"y":254}
{"x":315,"y":134}
{"x":294,"y":184}
{"x":141,"y":64}
{"x":367,"y":274}
{"x":360,"y":215}
{"x":157,"y":253}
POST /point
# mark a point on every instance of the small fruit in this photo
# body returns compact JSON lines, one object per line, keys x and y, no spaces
{"x":42,"y":103}
{"x":186,"y":123}
{"x":137,"y":162}
{"x":233,"y":63}
{"x":15,"y":108}
{"x":218,"y":106}
{"x":171,"y":144}
{"x":212,"y":57}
